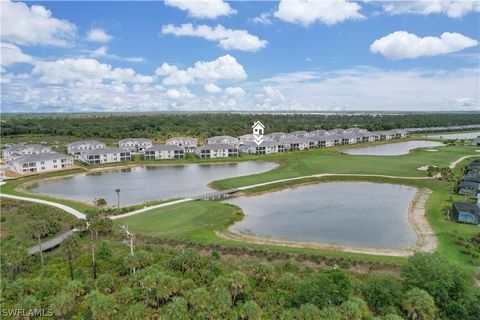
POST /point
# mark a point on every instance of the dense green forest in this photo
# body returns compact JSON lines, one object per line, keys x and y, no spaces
{"x":202,"y":125}
{"x":105,"y":272}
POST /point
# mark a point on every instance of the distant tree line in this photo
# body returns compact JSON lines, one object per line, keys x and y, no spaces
{"x":202,"y":125}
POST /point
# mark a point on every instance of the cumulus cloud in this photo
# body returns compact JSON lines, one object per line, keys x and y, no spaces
{"x":223,"y":68}
{"x":102,"y":52}
{"x":211,"y":88}
{"x":227,"y":39}
{"x":205,"y":9}
{"x":452,"y":8}
{"x":369,"y":88}
{"x":404,"y":45}
{"x":180,"y":94}
{"x":11,"y":55}
{"x":34,"y":25}
{"x":264,"y":18}
{"x":84,"y":71}
{"x":306,"y":12}
{"x":235,"y":91}
{"x":98,"y":35}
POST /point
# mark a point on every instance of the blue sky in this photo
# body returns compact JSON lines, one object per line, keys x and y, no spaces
{"x":215,"y":55}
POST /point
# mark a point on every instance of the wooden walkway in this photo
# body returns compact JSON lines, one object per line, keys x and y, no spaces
{"x":50,"y":244}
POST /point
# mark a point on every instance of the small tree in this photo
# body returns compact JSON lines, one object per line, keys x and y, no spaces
{"x":70,"y":246}
{"x":419,"y":305}
{"x":129,"y":241}
{"x":100,"y":203}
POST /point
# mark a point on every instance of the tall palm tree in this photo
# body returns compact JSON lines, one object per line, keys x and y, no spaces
{"x":118,"y":199}
{"x":70,"y":246}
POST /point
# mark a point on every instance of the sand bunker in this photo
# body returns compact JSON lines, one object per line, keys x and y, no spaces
{"x":425,"y":167}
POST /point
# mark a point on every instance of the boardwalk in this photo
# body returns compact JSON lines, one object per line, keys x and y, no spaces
{"x":52,"y":243}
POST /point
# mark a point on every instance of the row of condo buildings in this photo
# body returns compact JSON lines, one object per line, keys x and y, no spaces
{"x":34,"y":158}
{"x":469,"y":186}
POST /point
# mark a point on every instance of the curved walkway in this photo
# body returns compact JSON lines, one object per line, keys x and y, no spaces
{"x":454,"y":163}
{"x":70,"y":210}
{"x":166,"y":204}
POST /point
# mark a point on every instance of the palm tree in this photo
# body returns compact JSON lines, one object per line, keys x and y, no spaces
{"x":118,"y":199}
{"x":100,"y":203}
{"x":39,"y":229}
{"x":70,"y":246}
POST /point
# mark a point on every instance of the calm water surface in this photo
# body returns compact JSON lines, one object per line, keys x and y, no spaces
{"x":141,"y":184}
{"x":340,"y":213}
{"x":467,"y":135}
{"x":393,"y":149}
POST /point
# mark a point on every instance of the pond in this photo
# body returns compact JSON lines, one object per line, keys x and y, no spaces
{"x":359,"y":214}
{"x":392,"y":149}
{"x":465,"y":135}
{"x":142,"y":184}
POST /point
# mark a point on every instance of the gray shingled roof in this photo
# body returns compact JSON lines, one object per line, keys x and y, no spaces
{"x":41,"y":157}
{"x":165,"y":147}
{"x":83,"y":142}
{"x":467,"y":207}
{"x":104,"y":151}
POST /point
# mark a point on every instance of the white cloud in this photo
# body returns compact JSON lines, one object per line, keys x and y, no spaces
{"x":34,"y":26}
{"x":306,"y":12}
{"x":369,"y":88}
{"x":452,"y":8}
{"x":102,"y":52}
{"x":10,"y":55}
{"x":206,"y":9}
{"x":84,"y":71}
{"x":211,"y":88}
{"x":264,"y":18}
{"x":223,"y":68}
{"x":227,"y":39}
{"x":235,"y":91}
{"x":98,"y":35}
{"x":404,"y":45}
{"x":180,"y":94}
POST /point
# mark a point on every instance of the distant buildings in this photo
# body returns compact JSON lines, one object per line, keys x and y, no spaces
{"x":217,"y":150}
{"x":41,"y":162}
{"x":93,"y":152}
{"x":223,"y":140}
{"x":104,"y":155}
{"x":189,"y":144}
{"x":266,"y":147}
{"x":23,"y":150}
{"x":135,"y":144}
{"x":168,"y":151}
{"x":78,"y":147}
{"x":469,"y":212}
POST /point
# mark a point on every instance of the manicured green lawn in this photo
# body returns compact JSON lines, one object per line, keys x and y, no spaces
{"x":316,"y":161}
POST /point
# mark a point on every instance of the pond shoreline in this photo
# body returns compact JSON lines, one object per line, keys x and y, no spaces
{"x":426,"y":239}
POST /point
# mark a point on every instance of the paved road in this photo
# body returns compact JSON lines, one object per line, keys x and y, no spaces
{"x":52,"y":243}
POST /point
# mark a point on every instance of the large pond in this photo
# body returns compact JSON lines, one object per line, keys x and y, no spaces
{"x":393,"y":149}
{"x":340,"y":213}
{"x":142,"y":184}
{"x":465,"y":135}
